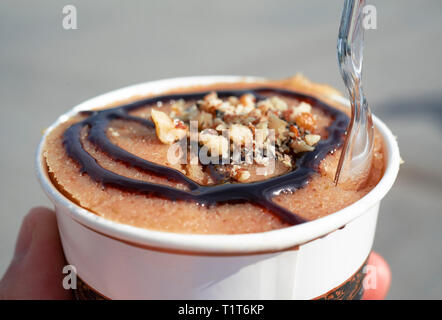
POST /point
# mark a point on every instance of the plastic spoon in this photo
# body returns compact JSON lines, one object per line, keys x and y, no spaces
{"x":357,"y":151}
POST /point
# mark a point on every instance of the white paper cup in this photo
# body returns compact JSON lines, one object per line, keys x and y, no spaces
{"x":305,"y":261}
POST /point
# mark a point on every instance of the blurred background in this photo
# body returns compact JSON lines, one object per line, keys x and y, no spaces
{"x":45,"y":70}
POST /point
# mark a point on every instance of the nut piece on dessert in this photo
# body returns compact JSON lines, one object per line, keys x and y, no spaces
{"x":240,"y":134}
{"x":306,"y":121}
{"x":293,"y":112}
{"x":280,"y":126}
{"x":312,"y":139}
{"x":168,"y":130}
{"x":217,"y":145}
{"x":240,"y":174}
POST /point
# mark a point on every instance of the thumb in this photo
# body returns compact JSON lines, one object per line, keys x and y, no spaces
{"x":36,"y":268}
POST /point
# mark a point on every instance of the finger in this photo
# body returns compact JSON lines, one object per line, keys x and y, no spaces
{"x":382,"y":276}
{"x":36,"y":269}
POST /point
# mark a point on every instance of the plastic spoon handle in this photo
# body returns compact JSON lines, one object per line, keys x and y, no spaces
{"x":358,"y":146}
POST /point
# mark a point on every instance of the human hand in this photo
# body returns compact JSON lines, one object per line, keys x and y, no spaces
{"x":35,"y":271}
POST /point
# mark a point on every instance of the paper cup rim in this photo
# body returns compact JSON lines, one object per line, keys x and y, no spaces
{"x":274,"y":240}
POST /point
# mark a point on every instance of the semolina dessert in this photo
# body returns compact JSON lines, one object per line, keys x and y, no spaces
{"x":216,"y":159}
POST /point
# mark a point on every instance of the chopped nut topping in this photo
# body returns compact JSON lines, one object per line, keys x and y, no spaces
{"x":278,"y":104}
{"x":221,"y":127}
{"x":279,"y":125}
{"x":271,"y":127}
{"x":294,"y":132}
{"x":242,"y":175}
{"x":168,"y":131}
{"x":178,"y":108}
{"x":300,"y":146}
{"x":312,"y":139}
{"x":294,"y":111}
{"x":273,"y":104}
{"x":247,"y":100}
{"x":306,"y":121}
{"x":205,"y":120}
{"x":287,"y":161}
{"x":218,"y":145}
{"x":240,"y":134}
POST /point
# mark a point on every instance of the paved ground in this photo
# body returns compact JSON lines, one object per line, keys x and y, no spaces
{"x":45,"y":70}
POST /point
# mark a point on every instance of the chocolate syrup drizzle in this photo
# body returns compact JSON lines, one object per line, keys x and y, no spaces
{"x":260,"y":192}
